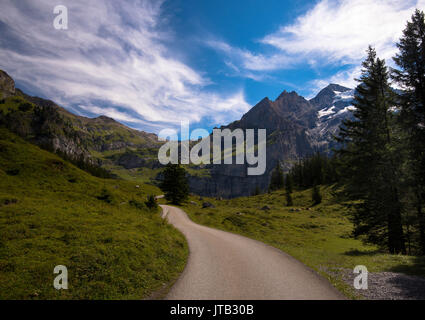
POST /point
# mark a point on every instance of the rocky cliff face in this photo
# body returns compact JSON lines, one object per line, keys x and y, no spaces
{"x":7,"y":85}
{"x":296,"y":128}
{"x":50,"y":126}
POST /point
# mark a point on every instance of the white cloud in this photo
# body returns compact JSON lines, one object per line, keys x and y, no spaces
{"x":251,"y":61}
{"x":342,"y":30}
{"x":339,"y":32}
{"x":112,"y":52}
{"x":333,"y":33}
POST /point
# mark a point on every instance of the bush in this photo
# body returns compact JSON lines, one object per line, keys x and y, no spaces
{"x":105,"y":196}
{"x":151,"y":202}
{"x":136,"y":204}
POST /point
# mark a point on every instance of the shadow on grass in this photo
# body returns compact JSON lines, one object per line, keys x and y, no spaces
{"x":410,"y":279}
{"x":417,"y":267}
{"x":359,"y":253}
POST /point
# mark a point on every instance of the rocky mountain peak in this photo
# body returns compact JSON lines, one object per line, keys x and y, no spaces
{"x":325,"y":97}
{"x":7,"y":85}
{"x":287,"y":95}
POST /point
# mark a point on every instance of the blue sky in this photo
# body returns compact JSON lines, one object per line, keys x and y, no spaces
{"x":152,"y":63}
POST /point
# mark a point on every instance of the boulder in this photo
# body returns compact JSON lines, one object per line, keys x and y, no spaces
{"x":207,"y":205}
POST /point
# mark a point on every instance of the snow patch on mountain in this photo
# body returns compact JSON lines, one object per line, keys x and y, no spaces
{"x":326,"y":111}
{"x":346,"y":109}
{"x":344,"y":96}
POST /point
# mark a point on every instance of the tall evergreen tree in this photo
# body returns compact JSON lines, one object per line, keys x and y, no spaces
{"x":289,"y":202}
{"x":289,"y":183}
{"x":288,"y":190}
{"x":277,"y":180}
{"x":370,"y":169}
{"x":410,"y":76}
{"x":175,"y":184}
{"x":316,"y":196}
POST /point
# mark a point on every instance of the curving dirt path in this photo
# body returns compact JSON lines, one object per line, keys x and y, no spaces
{"x":226,"y":266}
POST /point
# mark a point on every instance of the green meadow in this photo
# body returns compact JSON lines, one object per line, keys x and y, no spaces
{"x":52,"y":213}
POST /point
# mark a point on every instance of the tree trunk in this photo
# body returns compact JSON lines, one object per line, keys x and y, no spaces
{"x":396,"y":241}
{"x":421,"y":222}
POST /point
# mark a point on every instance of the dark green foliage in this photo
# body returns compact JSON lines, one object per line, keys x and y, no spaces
{"x":289,"y":183}
{"x":25,"y":106}
{"x":276,"y":181}
{"x":316,"y":197}
{"x":84,"y":164}
{"x":289,"y":202}
{"x":317,"y":169}
{"x":370,"y":167}
{"x":410,"y":76}
{"x":12,"y":172}
{"x":151,"y":202}
{"x":175,"y":184}
{"x":256,"y":191}
{"x":288,"y":190}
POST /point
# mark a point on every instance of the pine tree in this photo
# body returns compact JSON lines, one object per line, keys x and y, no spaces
{"x":289,"y":184}
{"x":289,"y":202}
{"x":175,"y":184}
{"x":256,"y":191}
{"x":276,"y":181}
{"x":316,"y":196}
{"x":410,"y":76}
{"x":370,"y":169}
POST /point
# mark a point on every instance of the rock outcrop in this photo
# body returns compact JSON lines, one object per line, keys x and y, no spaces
{"x":7,"y":85}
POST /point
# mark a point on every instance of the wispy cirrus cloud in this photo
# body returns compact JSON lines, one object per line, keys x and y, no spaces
{"x":332,"y":33}
{"x":113,"y":55}
{"x":251,"y":61}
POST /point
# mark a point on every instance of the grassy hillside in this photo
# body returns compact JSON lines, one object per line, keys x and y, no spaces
{"x":53,"y":213}
{"x":319,"y":236}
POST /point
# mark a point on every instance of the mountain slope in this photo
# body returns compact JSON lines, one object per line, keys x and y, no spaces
{"x":52,"y":127}
{"x":333,"y":104}
{"x":52,"y":213}
{"x":296,"y":128}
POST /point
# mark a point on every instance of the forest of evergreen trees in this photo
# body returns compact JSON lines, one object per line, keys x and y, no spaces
{"x":315,"y":170}
{"x":381,"y":164}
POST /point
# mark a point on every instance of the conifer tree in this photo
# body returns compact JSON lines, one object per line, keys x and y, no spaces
{"x":410,"y":76}
{"x":288,"y":190}
{"x":175,"y":184}
{"x":316,"y":196}
{"x":277,"y":180}
{"x":289,"y":184}
{"x":370,"y":169}
{"x":289,"y":202}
